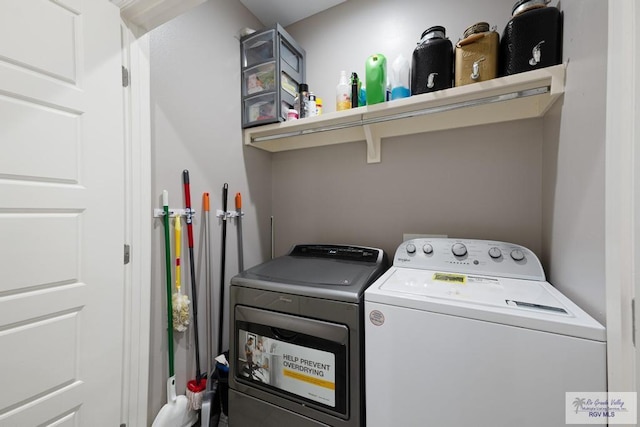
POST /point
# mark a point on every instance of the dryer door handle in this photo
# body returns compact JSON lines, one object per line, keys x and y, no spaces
{"x":284,"y":335}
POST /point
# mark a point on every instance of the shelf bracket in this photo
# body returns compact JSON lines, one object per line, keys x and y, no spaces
{"x":373,"y":144}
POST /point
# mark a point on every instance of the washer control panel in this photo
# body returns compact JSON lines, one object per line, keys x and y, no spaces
{"x":484,"y":257}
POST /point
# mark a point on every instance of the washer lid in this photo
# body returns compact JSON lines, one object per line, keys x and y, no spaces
{"x":522,"y":303}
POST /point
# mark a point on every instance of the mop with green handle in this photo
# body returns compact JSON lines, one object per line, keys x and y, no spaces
{"x":176,"y":412}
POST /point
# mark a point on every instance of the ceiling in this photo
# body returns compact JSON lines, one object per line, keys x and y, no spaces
{"x":286,"y":12}
{"x":149,"y":14}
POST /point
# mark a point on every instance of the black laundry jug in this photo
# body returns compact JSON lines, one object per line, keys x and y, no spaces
{"x":432,"y":62}
{"x":532,"y":38}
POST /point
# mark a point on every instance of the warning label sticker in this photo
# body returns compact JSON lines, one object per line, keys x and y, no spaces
{"x":459,"y":279}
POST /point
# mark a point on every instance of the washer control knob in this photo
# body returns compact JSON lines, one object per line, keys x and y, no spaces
{"x":427,"y":249}
{"x":411,"y":248}
{"x":517,"y":255}
{"x":495,"y":253}
{"x":459,"y":249}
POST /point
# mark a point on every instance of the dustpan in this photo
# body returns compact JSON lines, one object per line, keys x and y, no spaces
{"x":176,"y":412}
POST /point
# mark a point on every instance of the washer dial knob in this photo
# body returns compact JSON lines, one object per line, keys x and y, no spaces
{"x":495,"y":253}
{"x":411,"y":248}
{"x":459,"y":249}
{"x":427,"y":249}
{"x":517,"y":255}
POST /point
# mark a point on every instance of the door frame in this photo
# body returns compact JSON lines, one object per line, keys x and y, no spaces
{"x":635,"y":140}
{"x":621,"y":168}
{"x":138,"y":17}
{"x":137,"y":300}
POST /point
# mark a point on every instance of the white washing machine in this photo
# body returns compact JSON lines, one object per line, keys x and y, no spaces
{"x":468,"y":333}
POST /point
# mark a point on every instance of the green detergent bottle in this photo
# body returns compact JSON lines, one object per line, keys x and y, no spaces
{"x":376,"y":78}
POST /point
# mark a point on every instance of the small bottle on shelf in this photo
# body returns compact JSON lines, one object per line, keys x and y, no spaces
{"x":301,"y":103}
{"x":312,"y":107}
{"x":355,"y":90}
{"x":343,"y":93}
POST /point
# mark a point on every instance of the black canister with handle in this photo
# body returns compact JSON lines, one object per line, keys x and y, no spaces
{"x":532,"y":38}
{"x":432,"y":62}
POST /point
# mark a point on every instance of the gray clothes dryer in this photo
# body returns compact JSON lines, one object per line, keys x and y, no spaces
{"x":297,"y":337}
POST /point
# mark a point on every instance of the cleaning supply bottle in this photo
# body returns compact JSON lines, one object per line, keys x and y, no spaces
{"x":318,"y":106}
{"x":343,"y":93}
{"x":400,"y":78}
{"x":355,"y":89}
{"x":301,"y":103}
{"x":313,"y":111}
{"x":362,"y":96}
{"x":376,"y":78}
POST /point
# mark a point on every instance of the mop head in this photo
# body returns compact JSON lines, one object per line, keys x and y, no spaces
{"x":195,"y":391}
{"x":180,"y":303}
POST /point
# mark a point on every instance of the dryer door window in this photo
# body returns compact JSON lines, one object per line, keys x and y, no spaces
{"x":294,"y":357}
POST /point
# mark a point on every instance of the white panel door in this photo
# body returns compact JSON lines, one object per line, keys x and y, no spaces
{"x":61,"y":213}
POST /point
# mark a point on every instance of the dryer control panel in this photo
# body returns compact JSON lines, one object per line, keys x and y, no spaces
{"x":483,"y":257}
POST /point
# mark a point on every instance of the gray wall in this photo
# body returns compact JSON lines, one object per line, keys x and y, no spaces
{"x":195,"y":105}
{"x":478,"y":182}
{"x":574,"y":163}
{"x":464,"y":183}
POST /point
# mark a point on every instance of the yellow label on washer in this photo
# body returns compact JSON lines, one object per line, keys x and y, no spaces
{"x":459,"y":279}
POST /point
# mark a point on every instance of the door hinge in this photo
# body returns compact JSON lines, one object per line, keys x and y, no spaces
{"x":127,"y":254}
{"x":125,"y":77}
{"x":633,"y":321}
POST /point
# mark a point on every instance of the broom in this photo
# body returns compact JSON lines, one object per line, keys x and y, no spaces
{"x":179,"y":301}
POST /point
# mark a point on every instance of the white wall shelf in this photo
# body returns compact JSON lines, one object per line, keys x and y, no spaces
{"x":515,"y":97}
